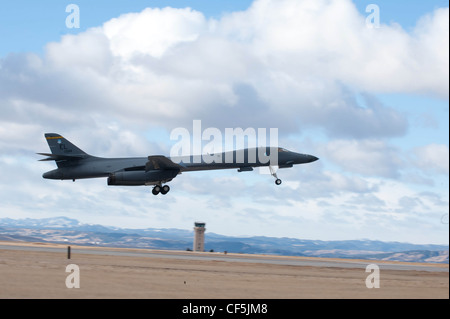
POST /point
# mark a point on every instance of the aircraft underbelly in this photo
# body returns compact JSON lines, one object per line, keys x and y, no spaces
{"x":135,"y":178}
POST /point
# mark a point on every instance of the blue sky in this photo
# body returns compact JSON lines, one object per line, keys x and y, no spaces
{"x":372,"y":104}
{"x":28,"y":25}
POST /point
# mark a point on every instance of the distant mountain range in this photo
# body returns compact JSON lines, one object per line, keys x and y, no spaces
{"x":71,"y":231}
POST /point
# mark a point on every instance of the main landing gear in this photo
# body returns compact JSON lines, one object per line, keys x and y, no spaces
{"x":160,"y":189}
{"x":272,"y":172}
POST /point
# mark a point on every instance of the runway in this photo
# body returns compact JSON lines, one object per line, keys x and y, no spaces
{"x":39,"y":270}
{"x":230,"y":257}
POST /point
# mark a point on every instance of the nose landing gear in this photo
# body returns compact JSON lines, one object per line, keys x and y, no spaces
{"x":272,"y":172}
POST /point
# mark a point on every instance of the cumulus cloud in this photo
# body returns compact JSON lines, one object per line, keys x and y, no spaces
{"x":366,"y":157}
{"x":432,"y":158}
{"x":293,"y":65}
{"x":330,"y":39}
{"x":153,"y":31}
{"x":258,"y":67}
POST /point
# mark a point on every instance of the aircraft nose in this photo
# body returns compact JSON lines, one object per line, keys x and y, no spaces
{"x":312,"y":158}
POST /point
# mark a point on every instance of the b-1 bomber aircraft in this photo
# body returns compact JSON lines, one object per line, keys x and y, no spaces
{"x":157,"y":170}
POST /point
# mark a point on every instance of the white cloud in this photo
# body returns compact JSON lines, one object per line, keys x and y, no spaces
{"x":329,"y":39}
{"x":366,"y":157}
{"x":153,"y":31}
{"x":433,"y":158}
{"x":166,"y":66}
{"x":86,"y":51}
{"x":300,"y":66}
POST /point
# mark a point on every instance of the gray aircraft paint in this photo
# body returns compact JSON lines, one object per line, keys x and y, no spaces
{"x":73,"y":163}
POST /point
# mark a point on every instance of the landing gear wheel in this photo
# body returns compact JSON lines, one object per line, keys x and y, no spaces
{"x":165,"y":189}
{"x":156,"y":190}
{"x":274,"y":174}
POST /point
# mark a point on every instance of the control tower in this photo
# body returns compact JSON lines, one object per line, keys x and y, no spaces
{"x":199,"y":236}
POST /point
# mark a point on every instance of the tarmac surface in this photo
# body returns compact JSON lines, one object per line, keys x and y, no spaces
{"x":39,"y":270}
{"x":263,"y":259}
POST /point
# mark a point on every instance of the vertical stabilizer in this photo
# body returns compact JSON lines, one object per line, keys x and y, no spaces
{"x":60,"y":146}
{"x":63,"y":152}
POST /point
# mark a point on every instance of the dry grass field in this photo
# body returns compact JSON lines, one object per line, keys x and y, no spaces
{"x":37,"y":274}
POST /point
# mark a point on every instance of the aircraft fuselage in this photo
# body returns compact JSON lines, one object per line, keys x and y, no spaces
{"x":73,"y":163}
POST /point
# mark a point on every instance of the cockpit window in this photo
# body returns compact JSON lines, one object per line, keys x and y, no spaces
{"x":280,"y":149}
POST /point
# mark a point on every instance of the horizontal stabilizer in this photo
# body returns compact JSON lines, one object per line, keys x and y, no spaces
{"x":53,"y":157}
{"x":62,"y":151}
{"x":160,"y":162}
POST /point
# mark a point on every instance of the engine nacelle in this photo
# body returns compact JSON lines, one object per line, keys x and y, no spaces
{"x":137,"y":178}
{"x":127,"y":178}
